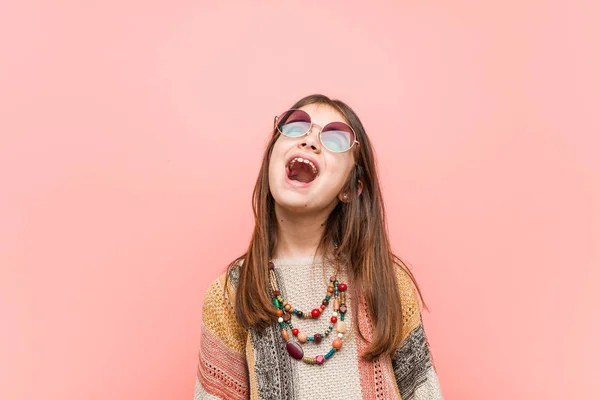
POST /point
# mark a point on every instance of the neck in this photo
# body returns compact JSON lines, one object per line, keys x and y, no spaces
{"x":298,"y":234}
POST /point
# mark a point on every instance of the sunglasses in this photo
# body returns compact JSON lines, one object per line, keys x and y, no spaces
{"x":336,"y":137}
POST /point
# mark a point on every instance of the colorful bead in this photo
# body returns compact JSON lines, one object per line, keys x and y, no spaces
{"x":342,"y":287}
{"x":315,"y":313}
{"x":295,"y":331}
{"x":309,"y":360}
{"x":276,"y":293}
{"x":288,"y":307}
{"x":334,"y":319}
{"x":294,"y":350}
{"x":285,"y":335}
{"x":325,"y":302}
{"x":343,"y":308}
{"x":302,"y":337}
{"x":337,"y":344}
{"x":318,"y":338}
{"x":279,"y":312}
{"x":320,"y":359}
{"x":329,"y":354}
{"x":341,"y":327}
{"x":276,"y":303}
{"x":280,"y":319}
{"x":287,"y":317}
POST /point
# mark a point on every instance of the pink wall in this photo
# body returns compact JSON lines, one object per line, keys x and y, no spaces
{"x":130,"y":138}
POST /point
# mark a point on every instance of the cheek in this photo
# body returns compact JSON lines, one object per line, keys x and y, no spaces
{"x":275,"y":160}
{"x":340,"y":167}
{"x":278,"y":149}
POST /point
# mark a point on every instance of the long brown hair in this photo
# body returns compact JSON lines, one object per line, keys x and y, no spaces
{"x":358,"y":228}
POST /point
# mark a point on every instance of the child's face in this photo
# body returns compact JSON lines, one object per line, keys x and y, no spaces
{"x":292,"y":188}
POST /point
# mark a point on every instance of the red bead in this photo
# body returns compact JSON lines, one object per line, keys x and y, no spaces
{"x":334,"y":319}
{"x":295,"y":350}
{"x":342,"y":287}
{"x":320,"y":359}
{"x":295,"y":331}
{"x":322,"y":307}
{"x":317,"y":338}
{"x":315,"y":313}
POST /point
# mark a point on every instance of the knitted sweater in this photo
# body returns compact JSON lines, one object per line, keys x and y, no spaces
{"x":235,"y":363}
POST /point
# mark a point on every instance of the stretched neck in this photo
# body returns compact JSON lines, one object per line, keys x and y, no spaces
{"x":298,"y":234}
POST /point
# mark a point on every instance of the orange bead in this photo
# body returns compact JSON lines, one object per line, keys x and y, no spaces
{"x":337,"y":344}
{"x":279,"y":312}
{"x":285,"y":335}
{"x":288,"y":307}
{"x":336,"y":304}
{"x":302,"y":337}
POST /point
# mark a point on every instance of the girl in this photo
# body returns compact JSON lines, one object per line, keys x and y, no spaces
{"x":318,"y":307}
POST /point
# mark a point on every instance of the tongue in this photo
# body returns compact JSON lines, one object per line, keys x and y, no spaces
{"x":301,"y":173}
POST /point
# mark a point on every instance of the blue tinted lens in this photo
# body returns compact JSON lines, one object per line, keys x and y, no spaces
{"x":337,"y":137}
{"x":294,"y":123}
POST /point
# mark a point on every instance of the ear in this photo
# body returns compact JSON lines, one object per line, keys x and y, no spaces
{"x":344,"y":196}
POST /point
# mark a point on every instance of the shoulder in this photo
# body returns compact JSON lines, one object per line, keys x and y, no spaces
{"x":409,"y":298}
{"x":222,"y":288}
{"x":218,"y":309}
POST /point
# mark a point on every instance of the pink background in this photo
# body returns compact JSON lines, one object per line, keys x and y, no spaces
{"x":130,"y":140}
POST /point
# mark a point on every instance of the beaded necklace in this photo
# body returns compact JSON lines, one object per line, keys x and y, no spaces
{"x":285,"y":311}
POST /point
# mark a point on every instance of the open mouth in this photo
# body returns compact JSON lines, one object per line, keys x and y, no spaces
{"x":301,"y":170}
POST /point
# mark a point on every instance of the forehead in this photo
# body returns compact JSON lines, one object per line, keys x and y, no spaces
{"x":322,"y":113}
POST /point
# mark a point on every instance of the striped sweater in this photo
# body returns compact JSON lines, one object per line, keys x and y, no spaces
{"x":235,"y":363}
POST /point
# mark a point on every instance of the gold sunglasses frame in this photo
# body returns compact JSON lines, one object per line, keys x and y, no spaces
{"x":313,"y":123}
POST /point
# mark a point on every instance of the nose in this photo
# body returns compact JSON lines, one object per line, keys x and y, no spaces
{"x":311,"y":139}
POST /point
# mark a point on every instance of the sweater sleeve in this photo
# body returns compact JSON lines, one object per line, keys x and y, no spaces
{"x":413,"y":365}
{"x":222,"y":368}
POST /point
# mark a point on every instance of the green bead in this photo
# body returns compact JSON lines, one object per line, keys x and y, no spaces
{"x":276,"y":303}
{"x":329,"y":354}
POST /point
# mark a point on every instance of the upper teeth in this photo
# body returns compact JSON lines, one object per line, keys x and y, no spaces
{"x":300,"y":159}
